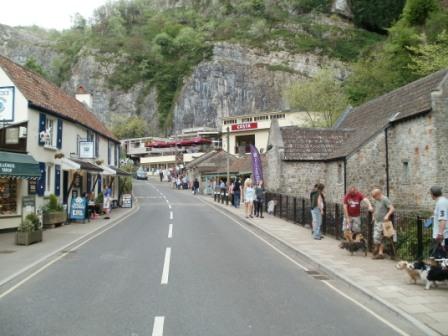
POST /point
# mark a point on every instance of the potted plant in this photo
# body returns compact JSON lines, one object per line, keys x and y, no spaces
{"x":30,"y":231}
{"x":53,"y":213}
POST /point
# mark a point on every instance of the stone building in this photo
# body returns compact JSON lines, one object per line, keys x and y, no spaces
{"x":397,"y":142}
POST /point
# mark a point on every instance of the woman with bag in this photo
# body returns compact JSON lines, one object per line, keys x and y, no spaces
{"x":382,"y":214}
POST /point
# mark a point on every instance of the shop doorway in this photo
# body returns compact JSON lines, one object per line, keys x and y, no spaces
{"x":65,"y":187}
{"x":243,"y":143}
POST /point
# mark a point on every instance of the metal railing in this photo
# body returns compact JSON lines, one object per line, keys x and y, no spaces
{"x":411,"y":242}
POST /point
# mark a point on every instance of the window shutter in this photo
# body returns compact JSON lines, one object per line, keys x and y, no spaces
{"x":100,"y":179}
{"x":117,"y":154}
{"x":57,"y":180}
{"x":89,"y":182}
{"x":41,"y":180}
{"x":59,"y":134}
{"x":42,"y":122}
{"x":109,"y":152}
{"x":97,"y":145}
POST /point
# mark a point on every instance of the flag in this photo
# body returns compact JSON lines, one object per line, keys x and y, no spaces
{"x":257,"y":169}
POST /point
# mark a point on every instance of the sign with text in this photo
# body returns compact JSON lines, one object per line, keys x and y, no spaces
{"x":28,"y":206}
{"x":78,"y":208}
{"x":7,"y":103}
{"x":12,"y":136}
{"x":126,"y":201}
{"x":86,"y":150}
{"x":32,"y":187}
{"x":7,"y":167}
{"x":245,"y":126}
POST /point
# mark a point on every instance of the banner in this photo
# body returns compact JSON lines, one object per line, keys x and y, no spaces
{"x":257,"y":169}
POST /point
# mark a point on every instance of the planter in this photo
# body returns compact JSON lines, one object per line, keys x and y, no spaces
{"x":53,"y":219}
{"x":27,"y":238}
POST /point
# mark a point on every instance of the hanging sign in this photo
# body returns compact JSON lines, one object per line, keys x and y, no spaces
{"x":7,"y":103}
{"x":86,"y":150}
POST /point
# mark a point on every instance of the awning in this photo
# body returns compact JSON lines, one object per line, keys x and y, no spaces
{"x":108,"y":171}
{"x":67,"y":164}
{"x":87,"y":166}
{"x":120,"y":172}
{"x":18,"y":166}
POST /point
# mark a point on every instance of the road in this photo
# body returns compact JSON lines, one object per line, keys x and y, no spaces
{"x":178,"y":267}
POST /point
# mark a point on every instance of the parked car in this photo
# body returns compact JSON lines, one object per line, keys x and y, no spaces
{"x":141,"y":175}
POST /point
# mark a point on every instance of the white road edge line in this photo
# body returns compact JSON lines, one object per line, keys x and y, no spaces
{"x":169,"y":206}
{"x":32,"y":275}
{"x":166,"y":267}
{"x":390,"y":325}
{"x":170,"y":231}
{"x":171,"y":215}
{"x":401,"y":332}
{"x":157,"y":330}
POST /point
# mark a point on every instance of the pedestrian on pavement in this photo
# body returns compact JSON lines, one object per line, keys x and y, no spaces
{"x":196,"y":186}
{"x":222,"y":190}
{"x":439,"y":229}
{"x":107,"y":202}
{"x":161,"y":175}
{"x":249,"y":197}
{"x":317,"y":209}
{"x":352,"y":210}
{"x":230,"y":191}
{"x":237,"y":191}
{"x":382,"y":213}
{"x":259,"y":199}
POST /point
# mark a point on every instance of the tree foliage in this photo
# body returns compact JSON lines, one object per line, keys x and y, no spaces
{"x":376,"y":15}
{"x":131,"y":127}
{"x":322,"y":98}
{"x":33,"y":65}
{"x":430,"y":57}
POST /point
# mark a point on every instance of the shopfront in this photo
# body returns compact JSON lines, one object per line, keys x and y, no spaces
{"x":18,"y":176}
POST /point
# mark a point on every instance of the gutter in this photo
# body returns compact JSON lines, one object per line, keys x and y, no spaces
{"x":386,"y":140}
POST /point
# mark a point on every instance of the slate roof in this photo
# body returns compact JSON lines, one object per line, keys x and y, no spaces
{"x":243,"y":165}
{"x":44,"y":95}
{"x":310,"y":144}
{"x":215,"y":161}
{"x":372,"y":117}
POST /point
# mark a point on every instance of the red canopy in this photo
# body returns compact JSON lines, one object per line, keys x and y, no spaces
{"x":158,"y":144}
{"x":200,"y":141}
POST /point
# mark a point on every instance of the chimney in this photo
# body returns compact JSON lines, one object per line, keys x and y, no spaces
{"x":84,"y":96}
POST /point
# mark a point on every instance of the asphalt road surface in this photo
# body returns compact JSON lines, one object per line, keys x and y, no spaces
{"x":178,"y":267}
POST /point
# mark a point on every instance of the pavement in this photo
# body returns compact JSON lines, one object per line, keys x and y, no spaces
{"x":378,"y":279}
{"x":178,"y":267}
{"x":17,"y":260}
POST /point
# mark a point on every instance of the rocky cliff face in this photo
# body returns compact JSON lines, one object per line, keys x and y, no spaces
{"x":241,"y":81}
{"x":22,"y":44}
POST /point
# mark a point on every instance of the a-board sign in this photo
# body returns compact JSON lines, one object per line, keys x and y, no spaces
{"x":28,"y":206}
{"x":78,"y":208}
{"x":126,"y":201}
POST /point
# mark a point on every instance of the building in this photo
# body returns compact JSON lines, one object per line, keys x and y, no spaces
{"x":135,"y":148}
{"x":74,"y":152}
{"x":396,"y":142}
{"x":253,"y":129}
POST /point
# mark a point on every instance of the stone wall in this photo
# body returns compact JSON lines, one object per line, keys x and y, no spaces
{"x":334,"y":181}
{"x":366,"y":168}
{"x":412,"y":162}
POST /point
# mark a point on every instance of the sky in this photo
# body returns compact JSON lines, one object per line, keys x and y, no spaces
{"x":50,"y":14}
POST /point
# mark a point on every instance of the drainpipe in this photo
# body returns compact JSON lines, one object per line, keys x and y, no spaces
{"x":387,"y":160}
{"x":345,"y":175}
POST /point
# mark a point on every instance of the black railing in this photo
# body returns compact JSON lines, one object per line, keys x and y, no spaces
{"x":412,"y":240}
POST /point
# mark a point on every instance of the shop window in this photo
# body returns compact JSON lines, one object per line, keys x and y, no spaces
{"x":8,"y":196}
{"x":243,"y":144}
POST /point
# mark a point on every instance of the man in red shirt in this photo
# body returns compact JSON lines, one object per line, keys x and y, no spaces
{"x":352,"y":210}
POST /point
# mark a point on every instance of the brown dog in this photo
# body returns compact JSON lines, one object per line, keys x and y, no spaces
{"x":414,"y":274}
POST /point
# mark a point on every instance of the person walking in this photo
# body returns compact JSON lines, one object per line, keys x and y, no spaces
{"x":352,"y":210}
{"x":222,"y":190}
{"x":317,"y":209}
{"x":259,"y":199}
{"x":249,"y":197}
{"x":383,"y":211}
{"x":439,"y":243}
{"x":237,"y":190}
{"x":230,"y":191}
{"x":161,"y":175}
{"x":107,"y":202}
{"x":196,"y":186}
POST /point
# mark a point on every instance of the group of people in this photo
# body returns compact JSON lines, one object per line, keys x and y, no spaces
{"x":382,"y":210}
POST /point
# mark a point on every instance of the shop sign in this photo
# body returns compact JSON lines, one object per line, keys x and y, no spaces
{"x":6,"y":167}
{"x":32,"y":187}
{"x":126,"y":201}
{"x":86,"y":150}
{"x":78,"y":208}
{"x":12,"y":136}
{"x":28,"y":206}
{"x":245,"y":126}
{"x":7,"y":103}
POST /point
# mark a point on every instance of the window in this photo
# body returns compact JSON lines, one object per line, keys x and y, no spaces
{"x":228,"y":122}
{"x":265,"y":117}
{"x":406,"y":172}
{"x":50,"y":130}
{"x":278,"y":116}
{"x":8,"y":196}
{"x":243,"y":143}
{"x":246,"y":119}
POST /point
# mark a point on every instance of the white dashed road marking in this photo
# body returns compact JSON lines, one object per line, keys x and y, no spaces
{"x":171,"y":215}
{"x":170,"y":231}
{"x":166,"y":266}
{"x":158,"y":326}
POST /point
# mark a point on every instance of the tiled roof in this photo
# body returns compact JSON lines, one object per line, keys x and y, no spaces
{"x":310,"y":144}
{"x":243,"y":165}
{"x":42,"y":94}
{"x":373,"y":116}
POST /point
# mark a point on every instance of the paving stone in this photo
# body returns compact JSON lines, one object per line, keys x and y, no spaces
{"x":414,"y":308}
{"x":441,"y":327}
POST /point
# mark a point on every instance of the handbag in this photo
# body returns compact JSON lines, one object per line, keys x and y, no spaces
{"x":388,"y":229}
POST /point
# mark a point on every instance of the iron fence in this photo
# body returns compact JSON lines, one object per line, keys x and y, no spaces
{"x":412,"y":240}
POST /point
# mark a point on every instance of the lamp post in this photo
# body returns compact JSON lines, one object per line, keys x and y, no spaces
{"x":228,"y":152}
